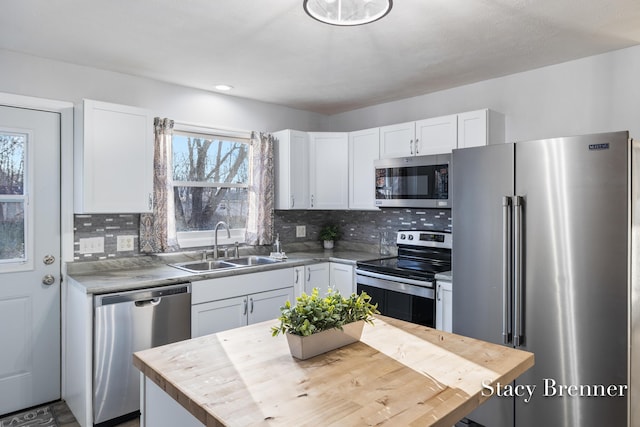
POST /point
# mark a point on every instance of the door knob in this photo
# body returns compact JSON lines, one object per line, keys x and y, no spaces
{"x":48,"y":259}
{"x":48,"y":280}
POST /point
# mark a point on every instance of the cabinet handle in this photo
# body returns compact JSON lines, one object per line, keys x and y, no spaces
{"x":438,"y":293}
{"x":251,"y":309}
{"x":150,"y":201}
{"x":293,"y":201}
{"x":411,"y":147}
{"x":297,"y":277}
{"x":417,"y":146}
{"x":308,"y":274}
{"x":312,"y":200}
{"x":245,"y":307}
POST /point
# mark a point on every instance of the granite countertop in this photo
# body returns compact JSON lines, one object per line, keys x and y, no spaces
{"x":118,"y":275}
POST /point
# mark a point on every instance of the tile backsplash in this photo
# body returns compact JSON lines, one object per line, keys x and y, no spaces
{"x":107,"y":227}
{"x":360,"y":230}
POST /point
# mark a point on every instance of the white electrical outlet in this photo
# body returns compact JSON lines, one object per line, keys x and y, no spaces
{"x":301,"y":231}
{"x":124,"y":243}
{"x":92,"y":245}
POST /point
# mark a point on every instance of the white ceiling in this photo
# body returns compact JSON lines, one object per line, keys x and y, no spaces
{"x":270,"y":50}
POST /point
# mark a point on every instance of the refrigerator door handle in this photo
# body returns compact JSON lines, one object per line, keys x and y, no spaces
{"x":518,"y":337}
{"x":506,"y":270}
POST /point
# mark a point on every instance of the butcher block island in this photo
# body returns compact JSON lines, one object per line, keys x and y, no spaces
{"x":399,"y":374}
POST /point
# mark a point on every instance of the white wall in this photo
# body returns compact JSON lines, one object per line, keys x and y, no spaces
{"x":595,"y":94}
{"x":32,"y":76}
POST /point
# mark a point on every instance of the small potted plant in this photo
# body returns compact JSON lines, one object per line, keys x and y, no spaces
{"x":318,"y":324}
{"x":328,"y":234}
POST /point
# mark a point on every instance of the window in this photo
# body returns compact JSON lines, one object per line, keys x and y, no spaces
{"x":210,"y":183}
{"x":13,"y":197}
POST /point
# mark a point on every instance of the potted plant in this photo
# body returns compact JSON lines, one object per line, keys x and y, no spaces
{"x":318,"y":324}
{"x":328,"y":234}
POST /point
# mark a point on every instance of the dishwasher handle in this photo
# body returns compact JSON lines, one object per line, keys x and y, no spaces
{"x":150,"y":296}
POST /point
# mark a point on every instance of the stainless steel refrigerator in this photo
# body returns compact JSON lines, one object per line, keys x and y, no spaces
{"x":543,"y":260}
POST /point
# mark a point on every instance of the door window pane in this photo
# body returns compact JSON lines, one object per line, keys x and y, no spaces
{"x":12,"y":197}
{"x":12,"y":150}
{"x":12,"y":236}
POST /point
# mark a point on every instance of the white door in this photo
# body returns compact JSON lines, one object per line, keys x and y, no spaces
{"x":29,"y":257}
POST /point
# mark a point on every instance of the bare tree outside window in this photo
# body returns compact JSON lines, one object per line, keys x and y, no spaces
{"x":12,"y":196}
{"x":210,"y":181}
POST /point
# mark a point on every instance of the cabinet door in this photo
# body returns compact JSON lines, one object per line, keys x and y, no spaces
{"x":444,"y":304}
{"x":215,"y":316}
{"x":472,"y":129}
{"x":291,"y":169}
{"x":317,"y":277}
{"x":364,"y":149}
{"x":298,"y":281}
{"x":341,"y":278}
{"x":266,"y":305}
{"x":397,"y":140}
{"x":438,"y":135}
{"x":328,"y":166}
{"x":114,"y":159}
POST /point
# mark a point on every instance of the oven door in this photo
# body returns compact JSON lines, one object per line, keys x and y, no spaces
{"x":404,"y":299}
{"x":421,"y":181}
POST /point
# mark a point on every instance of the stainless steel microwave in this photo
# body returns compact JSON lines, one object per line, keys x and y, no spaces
{"x":415,"y":182}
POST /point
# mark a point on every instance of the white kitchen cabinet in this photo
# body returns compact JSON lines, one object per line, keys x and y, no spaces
{"x":437,"y":135}
{"x":444,"y":306}
{"x":342,"y":279}
{"x":317,"y":276}
{"x":229,"y":302}
{"x":291,"y":169}
{"x":328,"y":167}
{"x":364,"y":149}
{"x":113,"y":159}
{"x":480,"y":127}
{"x":298,"y":281}
{"x":216,"y":316}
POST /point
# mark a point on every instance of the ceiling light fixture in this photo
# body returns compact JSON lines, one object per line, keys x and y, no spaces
{"x":347,"y":12}
{"x":224,"y":87}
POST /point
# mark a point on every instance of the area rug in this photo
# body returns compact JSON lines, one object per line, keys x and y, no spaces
{"x":41,"y":417}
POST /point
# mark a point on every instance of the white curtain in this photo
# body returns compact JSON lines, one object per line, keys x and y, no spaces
{"x":158,"y":230}
{"x":261,"y":190}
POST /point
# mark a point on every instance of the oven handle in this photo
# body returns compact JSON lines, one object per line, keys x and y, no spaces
{"x":421,"y":283}
{"x":400,"y":287}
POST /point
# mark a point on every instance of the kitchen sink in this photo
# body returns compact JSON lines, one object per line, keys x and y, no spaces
{"x":252,"y":260}
{"x":201,"y":266}
{"x":205,"y":266}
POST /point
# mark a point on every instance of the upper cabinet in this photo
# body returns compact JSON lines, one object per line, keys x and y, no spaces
{"x":291,"y":170}
{"x":430,"y":136}
{"x":480,"y":127}
{"x":363,"y":151}
{"x":328,"y":167}
{"x":113,"y":159}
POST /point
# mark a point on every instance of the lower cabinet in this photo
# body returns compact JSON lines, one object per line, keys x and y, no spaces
{"x":444,"y":306}
{"x":234,"y":301}
{"x":327,"y":275}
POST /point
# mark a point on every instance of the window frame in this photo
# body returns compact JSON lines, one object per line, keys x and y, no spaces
{"x":200,"y":238}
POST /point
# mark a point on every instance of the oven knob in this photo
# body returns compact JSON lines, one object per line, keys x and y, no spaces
{"x":402,"y":237}
{"x":410,"y":236}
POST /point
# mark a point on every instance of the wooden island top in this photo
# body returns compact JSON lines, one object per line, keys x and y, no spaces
{"x":399,"y":374}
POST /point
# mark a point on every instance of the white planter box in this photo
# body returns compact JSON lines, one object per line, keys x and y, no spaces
{"x":306,"y":347}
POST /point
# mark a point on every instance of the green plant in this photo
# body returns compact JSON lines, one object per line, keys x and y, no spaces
{"x":329,"y":232}
{"x":313,"y":313}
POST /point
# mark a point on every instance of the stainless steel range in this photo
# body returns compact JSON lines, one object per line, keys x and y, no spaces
{"x":404,"y":286}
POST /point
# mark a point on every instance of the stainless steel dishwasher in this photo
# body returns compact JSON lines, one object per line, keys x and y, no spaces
{"x":124,"y":323}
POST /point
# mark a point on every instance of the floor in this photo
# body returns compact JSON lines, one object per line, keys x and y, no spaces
{"x":61,"y":415}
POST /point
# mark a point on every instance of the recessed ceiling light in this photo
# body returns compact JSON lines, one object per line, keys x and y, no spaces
{"x":347,"y":12}
{"x":224,"y":87}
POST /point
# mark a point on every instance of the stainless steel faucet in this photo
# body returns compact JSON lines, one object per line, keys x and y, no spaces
{"x":215,"y":237}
